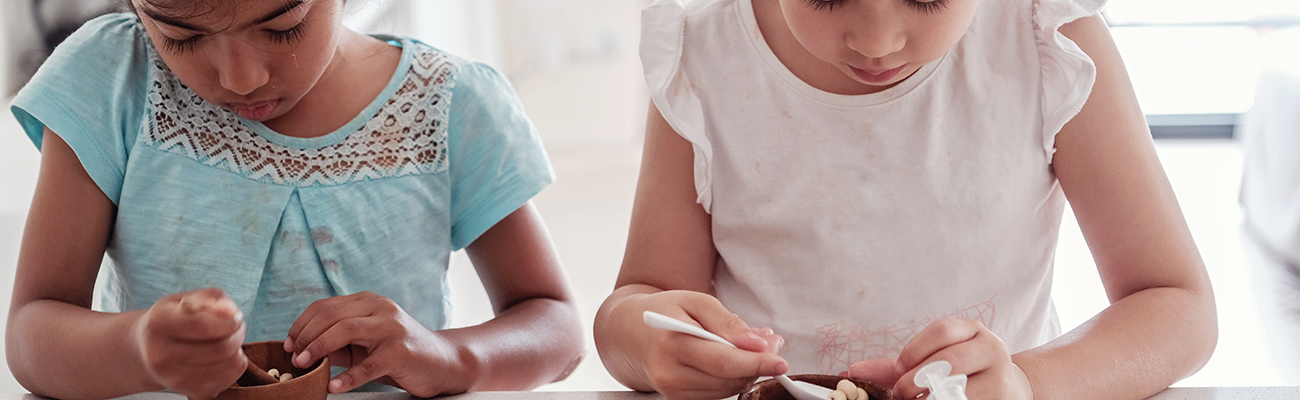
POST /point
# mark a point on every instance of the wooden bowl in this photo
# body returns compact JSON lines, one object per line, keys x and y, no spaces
{"x":769,"y":389}
{"x":307,"y":384}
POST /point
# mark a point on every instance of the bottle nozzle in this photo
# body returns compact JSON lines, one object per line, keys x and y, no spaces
{"x":935,"y":376}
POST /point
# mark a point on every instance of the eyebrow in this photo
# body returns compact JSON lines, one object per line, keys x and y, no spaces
{"x":288,"y":6}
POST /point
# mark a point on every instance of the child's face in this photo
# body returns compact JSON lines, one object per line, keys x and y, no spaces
{"x":257,"y":58}
{"x":878,"y":43}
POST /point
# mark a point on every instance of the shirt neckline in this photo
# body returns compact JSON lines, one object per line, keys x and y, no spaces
{"x":357,"y":121}
{"x":755,"y":37}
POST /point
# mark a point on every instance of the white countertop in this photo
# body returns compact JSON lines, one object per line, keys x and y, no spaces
{"x":1221,"y":393}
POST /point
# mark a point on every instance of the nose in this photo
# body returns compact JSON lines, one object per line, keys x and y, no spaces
{"x":239,"y":66}
{"x":876,"y":38}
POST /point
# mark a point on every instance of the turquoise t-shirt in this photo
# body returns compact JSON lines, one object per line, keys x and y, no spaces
{"x":207,"y":199}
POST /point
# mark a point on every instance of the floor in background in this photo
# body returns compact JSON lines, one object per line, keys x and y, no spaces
{"x":588,"y":207}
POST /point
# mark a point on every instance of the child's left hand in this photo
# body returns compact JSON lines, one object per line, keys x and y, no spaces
{"x":377,"y":340}
{"x":972,"y":350}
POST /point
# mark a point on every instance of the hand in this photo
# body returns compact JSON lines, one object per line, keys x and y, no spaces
{"x":972,"y":350}
{"x":191,"y":343}
{"x":376,"y":340}
{"x":682,"y":366}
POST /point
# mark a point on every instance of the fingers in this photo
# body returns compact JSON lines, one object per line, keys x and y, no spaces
{"x":198,"y":316}
{"x":881,"y":371}
{"x":713,"y":317}
{"x":347,"y":316}
{"x":377,"y":364}
{"x":682,"y":366}
{"x":728,"y":363}
{"x":935,"y":337}
{"x":972,"y":350}
{"x":774,"y":341}
{"x":368,"y":333}
{"x":200,"y":369}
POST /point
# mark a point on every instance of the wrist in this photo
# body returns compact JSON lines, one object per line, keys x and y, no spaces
{"x":136,"y":348}
{"x":1020,"y":375}
{"x":618,"y":342}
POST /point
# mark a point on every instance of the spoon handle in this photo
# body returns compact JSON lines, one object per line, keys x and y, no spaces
{"x":657,"y":320}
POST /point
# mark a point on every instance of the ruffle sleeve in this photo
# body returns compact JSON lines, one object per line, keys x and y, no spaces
{"x":1067,"y":72}
{"x":663,"y":28}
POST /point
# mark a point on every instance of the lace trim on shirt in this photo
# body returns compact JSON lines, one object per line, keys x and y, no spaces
{"x":406,"y":136}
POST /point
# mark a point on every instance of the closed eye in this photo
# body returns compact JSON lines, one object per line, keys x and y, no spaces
{"x":181,"y":45}
{"x":288,"y":35}
{"x":826,"y":5}
{"x":927,"y":7}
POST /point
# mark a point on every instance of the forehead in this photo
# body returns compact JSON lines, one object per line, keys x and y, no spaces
{"x":212,"y":14}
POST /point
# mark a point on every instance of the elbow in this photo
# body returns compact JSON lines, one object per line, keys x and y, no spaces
{"x":573,"y":348}
{"x":1204,"y":327}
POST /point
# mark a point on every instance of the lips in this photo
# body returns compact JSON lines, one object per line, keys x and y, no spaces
{"x":255,"y":111}
{"x":876,"y":76}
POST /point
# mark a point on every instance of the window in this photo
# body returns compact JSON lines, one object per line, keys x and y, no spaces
{"x":1194,"y":63}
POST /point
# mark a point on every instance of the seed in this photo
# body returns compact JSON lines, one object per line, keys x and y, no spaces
{"x":862,"y":394}
{"x":286,"y":376}
{"x":850,"y":390}
{"x":838,"y":395}
{"x":274,"y":373}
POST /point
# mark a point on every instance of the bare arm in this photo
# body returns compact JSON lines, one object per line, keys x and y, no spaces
{"x":1161,"y":325}
{"x":668,"y":268}
{"x":536,"y":336}
{"x":56,"y":346}
{"x":52,"y":334}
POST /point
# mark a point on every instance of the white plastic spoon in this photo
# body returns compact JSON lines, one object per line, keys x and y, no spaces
{"x":800,"y":390}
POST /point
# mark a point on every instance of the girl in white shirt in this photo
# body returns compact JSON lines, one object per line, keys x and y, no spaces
{"x":881,"y":182}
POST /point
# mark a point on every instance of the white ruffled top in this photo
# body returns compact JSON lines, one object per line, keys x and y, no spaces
{"x":934,"y":198}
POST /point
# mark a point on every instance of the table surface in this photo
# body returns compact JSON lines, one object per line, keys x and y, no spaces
{"x":1217,"y":393}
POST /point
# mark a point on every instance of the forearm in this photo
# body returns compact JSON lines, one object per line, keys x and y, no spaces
{"x":60,"y":350}
{"x":617,"y":342}
{"x":1136,"y":347}
{"x":535,"y":342}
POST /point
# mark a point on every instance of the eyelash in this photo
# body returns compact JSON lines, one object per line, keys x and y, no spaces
{"x":279,"y":37}
{"x":289,"y":36}
{"x":180,"y":46}
{"x":926,"y":7}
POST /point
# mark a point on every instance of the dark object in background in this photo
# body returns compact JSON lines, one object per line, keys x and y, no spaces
{"x":54,"y":20}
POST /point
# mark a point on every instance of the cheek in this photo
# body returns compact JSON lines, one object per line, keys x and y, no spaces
{"x":934,"y":43}
{"x":194,"y":71}
{"x":308,"y":59}
{"x":814,"y":32}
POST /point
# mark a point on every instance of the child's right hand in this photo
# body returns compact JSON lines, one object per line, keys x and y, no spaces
{"x":191,"y":342}
{"x":682,"y":366}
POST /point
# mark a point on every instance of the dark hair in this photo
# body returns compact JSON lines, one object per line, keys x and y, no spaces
{"x":181,"y":8}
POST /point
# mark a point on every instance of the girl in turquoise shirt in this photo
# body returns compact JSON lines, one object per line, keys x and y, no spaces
{"x":307,"y":182}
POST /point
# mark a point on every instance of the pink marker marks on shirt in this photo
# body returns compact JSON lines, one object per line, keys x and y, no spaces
{"x":842,"y":343}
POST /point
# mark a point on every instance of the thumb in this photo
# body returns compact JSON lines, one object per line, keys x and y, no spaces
{"x":880,"y":371}
{"x":729,"y":326}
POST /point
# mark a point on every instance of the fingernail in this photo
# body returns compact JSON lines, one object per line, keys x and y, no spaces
{"x":302,"y":358}
{"x":753,"y":335}
{"x":288,"y":345}
{"x":898,"y":367}
{"x":335,"y":385}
